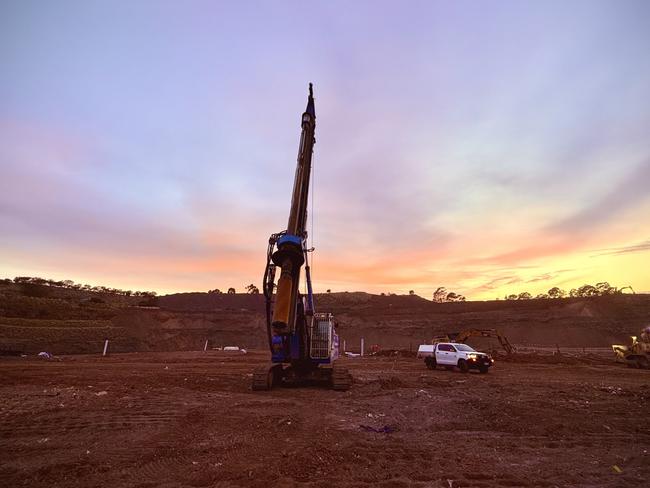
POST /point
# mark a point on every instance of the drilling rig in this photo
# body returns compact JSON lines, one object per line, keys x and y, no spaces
{"x":304,"y":344}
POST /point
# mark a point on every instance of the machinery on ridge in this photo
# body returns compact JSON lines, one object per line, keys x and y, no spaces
{"x":304,"y":344}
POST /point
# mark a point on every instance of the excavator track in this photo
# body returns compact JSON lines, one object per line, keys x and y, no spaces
{"x":341,"y":379}
{"x":265,"y":377}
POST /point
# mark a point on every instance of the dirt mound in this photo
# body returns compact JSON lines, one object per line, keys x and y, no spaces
{"x":400,"y":322}
{"x":212,"y":302}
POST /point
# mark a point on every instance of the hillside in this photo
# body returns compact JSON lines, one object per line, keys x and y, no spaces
{"x":73,"y":321}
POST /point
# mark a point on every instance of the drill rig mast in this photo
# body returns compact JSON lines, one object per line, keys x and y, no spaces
{"x":304,"y":344}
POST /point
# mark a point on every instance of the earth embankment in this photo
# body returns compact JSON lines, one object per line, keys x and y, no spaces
{"x":72,"y":321}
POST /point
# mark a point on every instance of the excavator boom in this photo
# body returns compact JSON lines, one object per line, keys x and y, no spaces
{"x":462,"y":337}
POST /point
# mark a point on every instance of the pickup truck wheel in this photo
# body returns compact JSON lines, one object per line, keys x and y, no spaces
{"x":462,"y":365}
{"x":430,"y":362}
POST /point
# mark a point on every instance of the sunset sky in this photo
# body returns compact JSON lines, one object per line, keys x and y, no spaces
{"x":490,"y":147}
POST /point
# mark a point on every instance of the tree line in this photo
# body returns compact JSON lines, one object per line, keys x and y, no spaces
{"x":442,"y":295}
{"x":598,"y":290}
{"x":250,"y":289}
{"x":71,"y":285}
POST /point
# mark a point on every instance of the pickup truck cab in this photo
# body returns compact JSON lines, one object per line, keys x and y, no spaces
{"x":451,"y":355}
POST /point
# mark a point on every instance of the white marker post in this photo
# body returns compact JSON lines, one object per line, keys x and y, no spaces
{"x":344,"y":345}
{"x":362,"y":346}
{"x":105,"y":347}
{"x":205,"y":348}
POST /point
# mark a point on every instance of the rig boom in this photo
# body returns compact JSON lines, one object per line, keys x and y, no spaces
{"x":290,"y":255}
{"x":304,"y":344}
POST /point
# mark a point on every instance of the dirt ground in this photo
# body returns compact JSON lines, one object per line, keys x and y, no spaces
{"x":191,"y":419}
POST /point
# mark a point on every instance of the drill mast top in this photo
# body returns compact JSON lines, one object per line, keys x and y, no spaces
{"x":298,"y":214}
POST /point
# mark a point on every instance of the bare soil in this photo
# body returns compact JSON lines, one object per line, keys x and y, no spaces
{"x":65,"y":321}
{"x":191,"y":419}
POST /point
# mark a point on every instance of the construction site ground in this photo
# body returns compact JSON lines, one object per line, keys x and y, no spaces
{"x":191,"y":419}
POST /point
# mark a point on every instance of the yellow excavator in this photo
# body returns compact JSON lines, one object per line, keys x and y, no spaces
{"x":463,"y":336}
{"x":636,"y":355}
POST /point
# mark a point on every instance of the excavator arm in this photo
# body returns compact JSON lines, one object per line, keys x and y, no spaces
{"x":466,"y":334}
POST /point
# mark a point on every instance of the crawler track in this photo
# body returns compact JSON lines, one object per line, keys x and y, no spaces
{"x":341,"y":378}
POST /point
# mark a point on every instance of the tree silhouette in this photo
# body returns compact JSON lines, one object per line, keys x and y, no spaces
{"x":600,"y":289}
{"x":231,"y":291}
{"x":605,"y":288}
{"x":440,"y":294}
{"x":454,"y":297}
{"x":252,"y":289}
{"x":411,"y":292}
{"x":587,"y":291}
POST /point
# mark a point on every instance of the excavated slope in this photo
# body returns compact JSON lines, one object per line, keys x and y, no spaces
{"x":69,"y":321}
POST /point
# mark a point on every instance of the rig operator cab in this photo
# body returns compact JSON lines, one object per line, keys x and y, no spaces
{"x":304,"y":344}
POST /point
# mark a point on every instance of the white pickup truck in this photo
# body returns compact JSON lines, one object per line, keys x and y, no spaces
{"x":451,"y":355}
